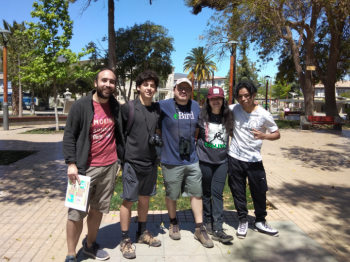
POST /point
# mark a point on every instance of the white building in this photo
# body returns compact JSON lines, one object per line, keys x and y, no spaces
{"x":340,"y":87}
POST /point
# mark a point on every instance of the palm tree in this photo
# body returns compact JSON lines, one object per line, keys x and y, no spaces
{"x":112,"y":61}
{"x":199,"y":63}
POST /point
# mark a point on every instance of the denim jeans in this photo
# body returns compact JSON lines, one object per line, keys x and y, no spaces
{"x":213,"y":183}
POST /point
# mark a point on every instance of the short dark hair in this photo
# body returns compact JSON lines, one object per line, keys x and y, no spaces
{"x":147,"y":75}
{"x":104,"y":69}
{"x":250,"y":86}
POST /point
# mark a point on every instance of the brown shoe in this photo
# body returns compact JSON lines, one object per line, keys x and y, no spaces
{"x":174,"y":232}
{"x":202,"y":236}
{"x":126,"y":249}
{"x":148,"y":238}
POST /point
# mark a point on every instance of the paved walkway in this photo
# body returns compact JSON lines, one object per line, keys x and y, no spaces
{"x":309,"y":185}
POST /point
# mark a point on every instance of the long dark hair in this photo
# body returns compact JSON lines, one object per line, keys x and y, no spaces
{"x":225,"y":112}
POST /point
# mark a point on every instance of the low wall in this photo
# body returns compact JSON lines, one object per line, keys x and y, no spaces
{"x":34,"y":120}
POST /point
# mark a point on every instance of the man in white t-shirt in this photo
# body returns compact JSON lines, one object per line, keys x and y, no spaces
{"x":251,"y":122}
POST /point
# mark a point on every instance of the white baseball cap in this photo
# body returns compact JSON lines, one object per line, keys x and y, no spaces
{"x":183,"y":80}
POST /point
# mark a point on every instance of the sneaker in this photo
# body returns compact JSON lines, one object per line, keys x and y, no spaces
{"x":202,"y":236}
{"x":95,"y":251}
{"x":221,"y":236}
{"x":148,"y":238}
{"x":70,"y":259}
{"x":209,"y":228}
{"x":265,"y":228}
{"x":174,"y":232}
{"x":242,"y":230}
{"x":126,"y":249}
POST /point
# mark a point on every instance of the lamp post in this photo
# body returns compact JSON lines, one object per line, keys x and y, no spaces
{"x":5,"y":107}
{"x":267,"y":88}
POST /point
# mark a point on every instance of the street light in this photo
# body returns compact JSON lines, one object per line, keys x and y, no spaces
{"x":267,"y":87}
{"x":232,"y":71}
{"x":5,"y":107}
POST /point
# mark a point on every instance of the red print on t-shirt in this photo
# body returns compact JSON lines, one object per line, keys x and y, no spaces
{"x":102,"y":138}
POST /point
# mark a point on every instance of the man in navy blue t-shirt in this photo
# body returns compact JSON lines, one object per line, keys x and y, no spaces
{"x":179,"y":160}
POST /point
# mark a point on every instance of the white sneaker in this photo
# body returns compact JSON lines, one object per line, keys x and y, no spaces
{"x":265,"y":228}
{"x":242,"y":229}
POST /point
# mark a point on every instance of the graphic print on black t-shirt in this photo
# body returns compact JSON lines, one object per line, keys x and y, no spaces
{"x":215,"y":135}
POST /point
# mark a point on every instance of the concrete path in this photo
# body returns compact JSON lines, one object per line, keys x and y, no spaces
{"x":309,"y":185}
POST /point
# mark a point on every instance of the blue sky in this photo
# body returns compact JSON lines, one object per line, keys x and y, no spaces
{"x":172,"y":14}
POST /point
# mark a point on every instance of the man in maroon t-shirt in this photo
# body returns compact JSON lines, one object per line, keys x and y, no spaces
{"x":92,"y":133}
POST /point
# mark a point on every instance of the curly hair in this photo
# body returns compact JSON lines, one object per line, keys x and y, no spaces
{"x":147,"y":75}
{"x":225,"y":112}
{"x":250,"y":86}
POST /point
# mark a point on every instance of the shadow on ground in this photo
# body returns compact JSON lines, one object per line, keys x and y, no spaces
{"x":30,"y":179}
{"x":326,"y":160}
{"x":325,"y":200}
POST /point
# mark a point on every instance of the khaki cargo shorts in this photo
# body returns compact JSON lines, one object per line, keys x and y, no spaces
{"x":184,"y":178}
{"x":100,"y":192}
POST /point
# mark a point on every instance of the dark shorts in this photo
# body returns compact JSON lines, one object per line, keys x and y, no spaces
{"x":100,"y":192}
{"x":135,"y":185}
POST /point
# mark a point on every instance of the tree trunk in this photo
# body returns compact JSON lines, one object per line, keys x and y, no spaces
{"x":32,"y":104}
{"x":20,"y":108}
{"x":111,"y":37}
{"x":55,"y":103}
{"x":199,"y":91}
{"x":329,"y":85}
{"x":15,"y":99}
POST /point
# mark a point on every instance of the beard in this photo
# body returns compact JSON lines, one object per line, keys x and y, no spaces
{"x":99,"y":91}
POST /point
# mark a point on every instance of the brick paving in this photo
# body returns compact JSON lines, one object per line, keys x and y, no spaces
{"x":307,"y":172}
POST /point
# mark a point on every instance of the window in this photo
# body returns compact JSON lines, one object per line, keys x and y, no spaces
{"x":219,"y":83}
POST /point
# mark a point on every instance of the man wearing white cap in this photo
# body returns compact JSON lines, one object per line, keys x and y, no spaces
{"x":181,"y":172}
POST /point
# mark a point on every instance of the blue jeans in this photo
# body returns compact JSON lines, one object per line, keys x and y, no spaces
{"x":213,"y":183}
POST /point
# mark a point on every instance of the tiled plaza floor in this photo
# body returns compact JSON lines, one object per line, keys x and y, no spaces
{"x":309,"y":185}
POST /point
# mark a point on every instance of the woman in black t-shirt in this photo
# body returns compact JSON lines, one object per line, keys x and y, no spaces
{"x":215,"y":124}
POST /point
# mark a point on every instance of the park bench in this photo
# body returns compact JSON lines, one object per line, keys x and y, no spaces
{"x":292,"y":113}
{"x":306,"y":122}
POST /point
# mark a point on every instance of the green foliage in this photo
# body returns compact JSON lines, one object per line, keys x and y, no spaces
{"x":199,"y":64}
{"x":51,"y":55}
{"x":139,"y":48}
{"x":157,"y":202}
{"x":346,"y":94}
{"x":280,"y":90}
{"x":18,"y":44}
{"x":309,"y":32}
{"x":288,"y":124}
{"x":203,"y":94}
{"x":246,"y":70}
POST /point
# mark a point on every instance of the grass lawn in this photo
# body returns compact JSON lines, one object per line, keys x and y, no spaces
{"x":288,"y":124}
{"x":157,"y":202}
{"x":49,"y":130}
{"x":8,"y":157}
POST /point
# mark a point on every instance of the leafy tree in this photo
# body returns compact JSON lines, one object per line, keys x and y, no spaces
{"x":199,"y":63}
{"x":280,"y":90}
{"x":278,"y":24}
{"x":112,"y":62}
{"x":345,"y":94}
{"x":139,"y":48}
{"x":246,"y":70}
{"x":52,"y":55}
{"x":17,"y":44}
